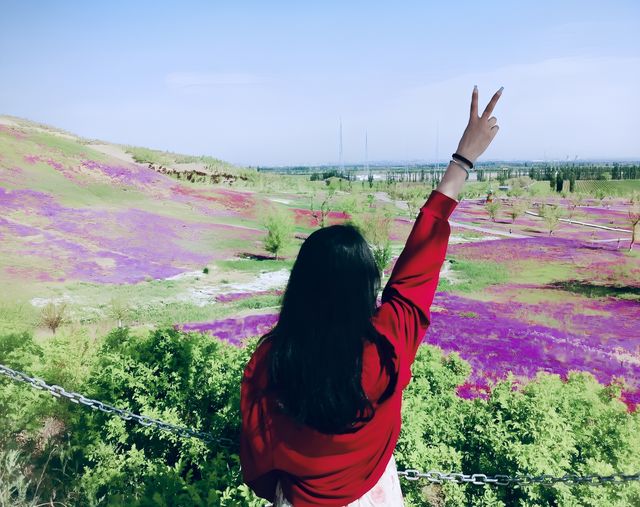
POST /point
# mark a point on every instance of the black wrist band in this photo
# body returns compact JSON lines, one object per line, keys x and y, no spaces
{"x":462,"y":159}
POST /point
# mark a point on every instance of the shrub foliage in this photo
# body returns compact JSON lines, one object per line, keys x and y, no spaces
{"x":52,"y":450}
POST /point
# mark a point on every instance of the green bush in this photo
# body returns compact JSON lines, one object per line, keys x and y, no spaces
{"x":184,"y":379}
{"x":280,"y":227}
{"x":546,"y":426}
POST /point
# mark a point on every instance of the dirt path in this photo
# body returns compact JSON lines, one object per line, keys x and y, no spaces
{"x":487,"y":230}
{"x":384,"y":197}
{"x":114,"y":151}
{"x":611,"y":240}
{"x":584,"y":223}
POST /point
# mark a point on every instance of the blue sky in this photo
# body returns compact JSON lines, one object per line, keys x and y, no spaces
{"x":266,"y":83}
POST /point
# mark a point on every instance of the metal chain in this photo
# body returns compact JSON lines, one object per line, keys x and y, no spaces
{"x":516,"y":480}
{"x":410,"y":474}
{"x":144,"y":420}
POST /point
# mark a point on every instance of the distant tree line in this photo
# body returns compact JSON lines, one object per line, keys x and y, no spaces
{"x":613,"y":171}
{"x":555,"y":173}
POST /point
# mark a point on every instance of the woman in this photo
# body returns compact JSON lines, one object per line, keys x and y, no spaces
{"x":322,"y":393}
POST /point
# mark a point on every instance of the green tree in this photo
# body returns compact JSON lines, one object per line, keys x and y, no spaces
{"x":119,"y":310}
{"x":551,"y":215}
{"x":575,"y":201}
{"x":634,"y":216}
{"x":326,"y":201}
{"x":517,"y":208}
{"x":280,"y":227}
{"x":53,"y":315}
{"x":375,"y":226}
{"x":572,"y":181}
{"x":492,"y":208}
{"x":559,"y":181}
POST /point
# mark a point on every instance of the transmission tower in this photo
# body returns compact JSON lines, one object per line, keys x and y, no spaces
{"x":341,"y":159}
{"x":366,"y":154}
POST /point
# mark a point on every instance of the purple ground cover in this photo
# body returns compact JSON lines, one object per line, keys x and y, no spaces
{"x":495,"y":344}
{"x":234,"y":330}
{"x":130,"y":174}
{"x":542,"y":248}
{"x":99,"y":245}
{"x":597,"y":262}
{"x":13,"y":132}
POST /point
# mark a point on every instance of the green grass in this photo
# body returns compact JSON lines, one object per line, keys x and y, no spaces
{"x":467,"y":234}
{"x":542,"y":188}
{"x":175,"y":312}
{"x":112,"y":195}
{"x":149,"y":156}
{"x":474,"y":276}
{"x":597,"y":290}
{"x":67,"y":147}
{"x":533,"y":271}
{"x":17,"y":316}
{"x":166,"y":158}
{"x":254,"y":266}
{"x":22,"y":316}
{"x":101,"y":293}
{"x":257,"y":302}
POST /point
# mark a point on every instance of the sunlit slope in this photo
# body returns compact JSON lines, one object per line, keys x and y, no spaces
{"x":71,"y":209}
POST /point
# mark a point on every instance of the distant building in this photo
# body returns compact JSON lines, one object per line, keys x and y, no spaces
{"x":504,"y":187}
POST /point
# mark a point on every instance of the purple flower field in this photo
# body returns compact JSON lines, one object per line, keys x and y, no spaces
{"x":495,"y":342}
{"x":100,"y":245}
{"x":234,"y":330}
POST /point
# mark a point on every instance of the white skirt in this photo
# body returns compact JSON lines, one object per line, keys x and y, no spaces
{"x":386,"y":492}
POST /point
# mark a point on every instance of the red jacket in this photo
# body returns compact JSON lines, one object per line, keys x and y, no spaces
{"x":334,"y":470}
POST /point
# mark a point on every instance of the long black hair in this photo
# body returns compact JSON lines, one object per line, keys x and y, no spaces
{"x":315,"y":360}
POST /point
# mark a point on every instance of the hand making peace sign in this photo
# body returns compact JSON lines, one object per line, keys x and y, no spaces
{"x":481,"y":129}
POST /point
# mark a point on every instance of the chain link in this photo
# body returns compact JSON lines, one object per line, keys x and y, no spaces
{"x":517,"y":480}
{"x":411,"y":474}
{"x":61,"y":392}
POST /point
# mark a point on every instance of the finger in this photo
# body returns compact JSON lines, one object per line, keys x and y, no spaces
{"x":492,"y":103}
{"x":494,"y":130}
{"x":474,"y":102}
{"x":492,"y":121}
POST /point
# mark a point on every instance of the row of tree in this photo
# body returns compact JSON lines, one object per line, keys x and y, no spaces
{"x":552,"y":214}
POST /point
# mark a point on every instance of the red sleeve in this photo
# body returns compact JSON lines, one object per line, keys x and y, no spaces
{"x":256,"y":446}
{"x":404,"y":315}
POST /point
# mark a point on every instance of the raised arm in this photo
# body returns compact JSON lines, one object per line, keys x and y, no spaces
{"x":405,"y":314}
